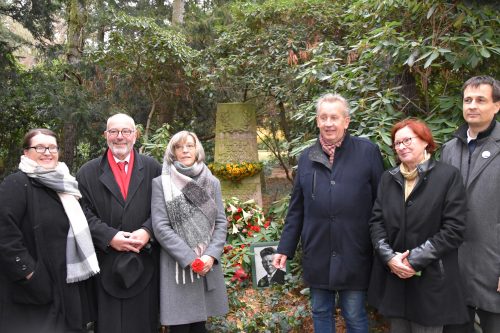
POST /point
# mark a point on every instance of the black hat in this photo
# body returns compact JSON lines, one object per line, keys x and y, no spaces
{"x":126,"y":274}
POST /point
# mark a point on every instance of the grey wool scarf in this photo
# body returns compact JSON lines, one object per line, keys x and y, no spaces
{"x":81,"y":260}
{"x":190,"y":205}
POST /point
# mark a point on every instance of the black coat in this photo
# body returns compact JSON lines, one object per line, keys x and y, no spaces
{"x":33,"y":233}
{"x":107,"y":213}
{"x":278,"y":278}
{"x":431,"y":225}
{"x":329,"y":212}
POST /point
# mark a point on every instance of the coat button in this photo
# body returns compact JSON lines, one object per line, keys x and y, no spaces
{"x":332,"y":182}
{"x":23,"y":267}
{"x":410,"y":203}
{"x":334,"y":254}
{"x":18,"y":259}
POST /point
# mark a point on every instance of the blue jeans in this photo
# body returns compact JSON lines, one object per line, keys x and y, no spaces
{"x":352,"y":306}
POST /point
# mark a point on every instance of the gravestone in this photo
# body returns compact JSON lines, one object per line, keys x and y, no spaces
{"x":236,"y":142}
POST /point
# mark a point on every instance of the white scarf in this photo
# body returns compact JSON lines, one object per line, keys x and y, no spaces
{"x":81,"y":260}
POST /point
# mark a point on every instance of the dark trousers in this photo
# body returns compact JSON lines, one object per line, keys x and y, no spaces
{"x":489,"y":323}
{"x":198,"y":327}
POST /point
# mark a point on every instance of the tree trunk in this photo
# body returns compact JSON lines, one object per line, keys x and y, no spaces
{"x":284,"y":122}
{"x":69,"y":139}
{"x":77,"y":17}
{"x":101,"y":29}
{"x":178,"y":12}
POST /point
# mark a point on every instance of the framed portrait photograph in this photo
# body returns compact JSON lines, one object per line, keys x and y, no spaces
{"x":264,"y":274}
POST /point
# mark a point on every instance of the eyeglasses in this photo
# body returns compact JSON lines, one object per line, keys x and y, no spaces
{"x":43,"y":149}
{"x":126,"y":132}
{"x":406,"y":142}
{"x":189,"y":146}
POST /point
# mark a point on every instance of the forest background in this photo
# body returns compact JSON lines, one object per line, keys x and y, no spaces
{"x":69,"y":64}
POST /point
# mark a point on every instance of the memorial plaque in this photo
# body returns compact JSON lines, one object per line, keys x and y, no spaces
{"x":236,"y":142}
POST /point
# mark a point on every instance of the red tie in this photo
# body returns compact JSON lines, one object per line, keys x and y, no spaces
{"x":121,"y":166}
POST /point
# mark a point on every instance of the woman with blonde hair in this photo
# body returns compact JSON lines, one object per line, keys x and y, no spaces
{"x":190,"y":225}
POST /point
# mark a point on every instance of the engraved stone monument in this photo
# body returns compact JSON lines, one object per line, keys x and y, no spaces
{"x":236,"y":142}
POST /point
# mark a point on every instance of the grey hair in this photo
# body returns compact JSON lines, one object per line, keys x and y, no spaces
{"x":180,"y":138}
{"x":121,"y":115}
{"x":332,"y":98}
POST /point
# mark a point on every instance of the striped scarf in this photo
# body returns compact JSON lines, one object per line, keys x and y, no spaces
{"x":81,"y":260}
{"x":329,"y":148}
{"x":190,"y":204}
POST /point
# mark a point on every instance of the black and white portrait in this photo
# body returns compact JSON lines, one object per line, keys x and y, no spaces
{"x":264,"y":273}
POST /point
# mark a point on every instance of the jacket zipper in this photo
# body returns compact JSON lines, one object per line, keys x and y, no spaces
{"x":468,"y":168}
{"x":313,"y":185}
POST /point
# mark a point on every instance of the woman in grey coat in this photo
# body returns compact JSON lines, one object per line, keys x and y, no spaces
{"x":190,"y":225}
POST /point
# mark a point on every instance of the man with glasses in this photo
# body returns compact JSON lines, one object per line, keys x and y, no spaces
{"x":116,"y":190}
{"x":334,"y":191}
{"x":475,"y":151}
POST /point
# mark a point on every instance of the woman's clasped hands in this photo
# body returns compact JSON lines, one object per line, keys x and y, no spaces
{"x":400,"y":265}
{"x":202,"y":265}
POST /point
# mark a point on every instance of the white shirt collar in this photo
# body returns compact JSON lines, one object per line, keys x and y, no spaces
{"x":127,"y":159}
{"x":469,"y":138}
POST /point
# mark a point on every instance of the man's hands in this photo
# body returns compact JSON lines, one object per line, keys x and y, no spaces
{"x":130,"y":241}
{"x":279,"y":261}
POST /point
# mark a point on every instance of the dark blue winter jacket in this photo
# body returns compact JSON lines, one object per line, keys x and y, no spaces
{"x":329,"y":212}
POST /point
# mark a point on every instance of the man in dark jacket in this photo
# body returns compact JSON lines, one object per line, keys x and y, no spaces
{"x":475,"y":151}
{"x":330,"y":206}
{"x":116,"y":190}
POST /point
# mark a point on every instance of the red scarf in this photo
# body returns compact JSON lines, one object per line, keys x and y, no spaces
{"x":122,"y":178}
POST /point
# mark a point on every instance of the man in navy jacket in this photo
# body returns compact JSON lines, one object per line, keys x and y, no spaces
{"x":330,"y":206}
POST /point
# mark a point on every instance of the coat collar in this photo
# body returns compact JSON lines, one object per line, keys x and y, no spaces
{"x":108,"y":179}
{"x":316,"y":153}
{"x":489,"y":149}
{"x":461,"y":133}
{"x":35,"y":183}
{"x":422,"y":169}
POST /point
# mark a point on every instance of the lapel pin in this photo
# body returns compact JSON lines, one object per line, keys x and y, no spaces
{"x":486,"y":154}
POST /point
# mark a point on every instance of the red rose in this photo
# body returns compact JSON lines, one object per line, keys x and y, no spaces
{"x":239,"y":275}
{"x":197,"y":265}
